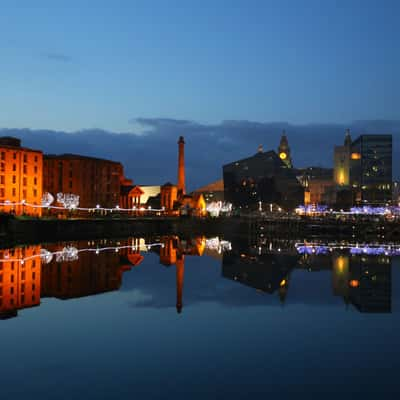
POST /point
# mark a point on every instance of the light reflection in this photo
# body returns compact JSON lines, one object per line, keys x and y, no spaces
{"x":360,"y":272}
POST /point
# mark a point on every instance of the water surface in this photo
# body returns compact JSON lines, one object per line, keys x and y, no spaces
{"x":174,"y":318}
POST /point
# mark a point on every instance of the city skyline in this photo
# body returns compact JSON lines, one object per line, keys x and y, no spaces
{"x":209,"y":146}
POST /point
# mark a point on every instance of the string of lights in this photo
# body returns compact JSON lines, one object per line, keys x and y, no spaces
{"x":89,"y":209}
{"x":354,"y":248}
{"x":70,"y":253}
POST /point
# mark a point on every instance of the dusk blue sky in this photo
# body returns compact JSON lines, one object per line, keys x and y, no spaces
{"x":100,"y":65}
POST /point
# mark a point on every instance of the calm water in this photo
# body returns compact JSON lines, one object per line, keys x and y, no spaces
{"x":170,"y":318}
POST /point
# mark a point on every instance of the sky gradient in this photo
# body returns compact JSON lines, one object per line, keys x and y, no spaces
{"x":108,"y":66}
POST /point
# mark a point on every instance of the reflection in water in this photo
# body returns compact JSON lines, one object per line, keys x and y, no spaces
{"x":360,"y":275}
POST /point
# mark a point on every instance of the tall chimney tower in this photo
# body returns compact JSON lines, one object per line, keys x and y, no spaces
{"x":181,"y":166}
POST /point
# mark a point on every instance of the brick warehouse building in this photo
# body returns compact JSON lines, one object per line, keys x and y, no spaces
{"x":21,"y":172}
{"x":96,"y":181}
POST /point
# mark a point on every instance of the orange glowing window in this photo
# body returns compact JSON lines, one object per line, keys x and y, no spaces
{"x":354,"y":283}
{"x":355,"y":156}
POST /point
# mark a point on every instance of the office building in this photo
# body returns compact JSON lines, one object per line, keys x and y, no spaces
{"x":371,"y":169}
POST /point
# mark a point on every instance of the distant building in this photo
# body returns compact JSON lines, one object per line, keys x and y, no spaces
{"x":318,"y":185}
{"x":260,"y":180}
{"x":363,"y":170}
{"x":396,"y":193}
{"x":371,"y":169}
{"x":341,"y":175}
{"x":21,"y":172}
{"x":96,"y":181}
{"x":212,"y":192}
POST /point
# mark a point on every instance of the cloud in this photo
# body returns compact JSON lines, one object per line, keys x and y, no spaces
{"x":57,"y":57}
{"x":150,"y":156}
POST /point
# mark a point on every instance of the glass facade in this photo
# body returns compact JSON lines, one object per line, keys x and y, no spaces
{"x":371,"y":169}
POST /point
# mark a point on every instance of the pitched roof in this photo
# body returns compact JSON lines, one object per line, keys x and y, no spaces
{"x":217,"y":186}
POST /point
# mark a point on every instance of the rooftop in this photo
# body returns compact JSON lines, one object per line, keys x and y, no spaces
{"x":68,"y":156}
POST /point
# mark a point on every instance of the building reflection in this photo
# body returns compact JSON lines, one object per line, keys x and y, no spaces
{"x":80,"y":269}
{"x":20,"y":279}
{"x":173,"y":252}
{"x":25,"y":277}
{"x":370,"y":283}
{"x":265,"y":269}
{"x":364,"y":281}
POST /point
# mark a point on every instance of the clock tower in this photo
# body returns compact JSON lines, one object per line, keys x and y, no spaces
{"x":284,"y":151}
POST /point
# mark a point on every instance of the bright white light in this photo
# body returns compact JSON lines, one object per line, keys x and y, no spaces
{"x":216,"y":207}
{"x":46,"y":256}
{"x":47,"y":199}
{"x":68,"y":200}
{"x":68,"y":253}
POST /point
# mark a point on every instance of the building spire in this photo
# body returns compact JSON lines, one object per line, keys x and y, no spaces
{"x":284,"y":150}
{"x":347,"y":139}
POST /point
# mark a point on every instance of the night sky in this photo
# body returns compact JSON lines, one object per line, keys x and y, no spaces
{"x":123,"y":80}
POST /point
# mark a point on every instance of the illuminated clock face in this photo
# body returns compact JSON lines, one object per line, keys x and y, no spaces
{"x":282,"y":155}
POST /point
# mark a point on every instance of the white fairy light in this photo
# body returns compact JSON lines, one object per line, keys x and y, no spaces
{"x":47,"y":199}
{"x":68,"y":200}
{"x":68,"y":253}
{"x":46,"y":256}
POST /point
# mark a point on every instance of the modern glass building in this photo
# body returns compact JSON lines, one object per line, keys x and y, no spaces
{"x":260,"y":180}
{"x":371,"y":169}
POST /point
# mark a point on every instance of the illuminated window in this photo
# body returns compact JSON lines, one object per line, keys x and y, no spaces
{"x":355,"y":156}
